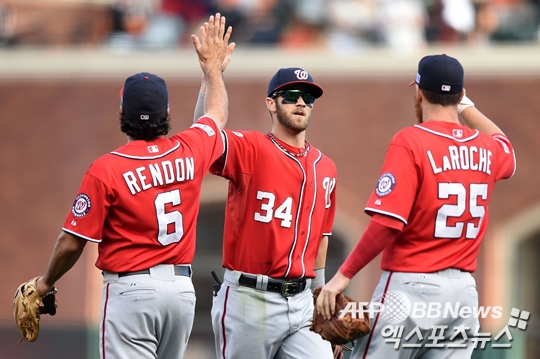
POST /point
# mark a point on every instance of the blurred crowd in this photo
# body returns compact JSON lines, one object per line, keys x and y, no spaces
{"x":339,"y":25}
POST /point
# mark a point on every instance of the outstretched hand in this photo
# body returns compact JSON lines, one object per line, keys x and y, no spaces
{"x":213,"y":46}
{"x":228,"y":52}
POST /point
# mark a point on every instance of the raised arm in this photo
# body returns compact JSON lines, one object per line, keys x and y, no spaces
{"x":476,"y":119}
{"x":212,"y":49}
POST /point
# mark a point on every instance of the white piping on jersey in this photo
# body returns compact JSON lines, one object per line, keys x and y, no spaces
{"x":148,"y":157}
{"x":81,"y":236}
{"x":201,"y":126}
{"x":503,"y":140}
{"x":298,"y":212}
{"x":298,"y":209}
{"x":210,"y":117}
{"x":225,"y":150}
{"x":386,"y":214}
{"x":222,"y":133}
{"x":311,"y":212}
{"x":448,"y":136}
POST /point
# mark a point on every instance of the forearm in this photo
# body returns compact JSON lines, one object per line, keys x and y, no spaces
{"x":320,"y":263}
{"x":199,"y":107}
{"x":216,"y":100}
{"x":476,"y":119}
{"x":320,"y":260}
{"x":67,"y":251}
{"x":375,"y":238}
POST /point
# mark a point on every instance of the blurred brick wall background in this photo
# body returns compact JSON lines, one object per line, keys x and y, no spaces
{"x":62,"y":63}
{"x":52,"y":129}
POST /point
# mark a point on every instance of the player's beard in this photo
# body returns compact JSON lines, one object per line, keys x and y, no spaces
{"x":287,"y":121}
{"x":418,"y":110}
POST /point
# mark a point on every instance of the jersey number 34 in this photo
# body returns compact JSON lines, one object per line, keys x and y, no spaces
{"x":283,"y":211}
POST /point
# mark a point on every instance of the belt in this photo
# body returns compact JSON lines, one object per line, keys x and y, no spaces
{"x":287,"y":288}
{"x":184,"y":271}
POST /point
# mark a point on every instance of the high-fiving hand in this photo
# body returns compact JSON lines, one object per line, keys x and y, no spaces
{"x":213,"y":45}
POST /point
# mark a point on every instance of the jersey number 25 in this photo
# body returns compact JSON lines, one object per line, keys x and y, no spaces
{"x":442,"y":229}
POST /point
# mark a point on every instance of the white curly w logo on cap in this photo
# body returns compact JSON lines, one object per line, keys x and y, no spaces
{"x":301,"y":74}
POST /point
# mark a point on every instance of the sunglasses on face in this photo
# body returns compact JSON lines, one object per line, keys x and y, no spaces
{"x":291,"y":97}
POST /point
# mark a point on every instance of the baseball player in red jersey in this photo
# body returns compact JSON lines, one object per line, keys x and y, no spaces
{"x":429,"y":213}
{"x":140,"y":204}
{"x":279,"y":214}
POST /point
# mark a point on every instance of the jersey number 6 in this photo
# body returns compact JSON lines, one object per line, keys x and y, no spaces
{"x":442,"y":229}
{"x":166,"y":220}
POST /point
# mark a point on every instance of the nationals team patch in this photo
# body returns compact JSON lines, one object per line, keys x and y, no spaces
{"x":385,"y":185}
{"x":81,"y":206}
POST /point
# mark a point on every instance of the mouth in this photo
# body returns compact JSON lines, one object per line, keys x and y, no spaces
{"x":299,"y":113}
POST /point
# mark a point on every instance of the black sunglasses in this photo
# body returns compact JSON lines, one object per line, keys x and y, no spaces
{"x":291,"y":97}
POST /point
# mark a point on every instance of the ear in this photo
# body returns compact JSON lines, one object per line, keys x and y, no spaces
{"x":121,"y":109}
{"x":168,"y":111}
{"x":418,"y":93}
{"x":271,"y":104}
{"x":462,"y":95}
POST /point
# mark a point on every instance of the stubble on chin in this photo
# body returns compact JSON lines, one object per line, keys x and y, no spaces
{"x":287,"y":120}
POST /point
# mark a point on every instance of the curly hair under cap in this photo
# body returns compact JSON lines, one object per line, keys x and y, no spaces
{"x":144,"y":130}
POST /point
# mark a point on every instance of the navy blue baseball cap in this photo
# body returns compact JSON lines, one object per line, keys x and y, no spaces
{"x":144,"y":97}
{"x":290,"y":76}
{"x":440,"y":74}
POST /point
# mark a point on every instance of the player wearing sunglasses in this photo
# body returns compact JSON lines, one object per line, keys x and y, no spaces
{"x":292,"y":96}
{"x":279,"y":214}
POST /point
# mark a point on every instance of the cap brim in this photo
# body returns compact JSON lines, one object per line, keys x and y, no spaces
{"x":315,"y":89}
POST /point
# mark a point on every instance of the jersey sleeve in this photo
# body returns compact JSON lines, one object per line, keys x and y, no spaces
{"x":239,"y":156}
{"x":331,"y":213}
{"x":395,"y":191}
{"x":505,"y":157}
{"x":87,"y":214}
{"x":205,"y":138}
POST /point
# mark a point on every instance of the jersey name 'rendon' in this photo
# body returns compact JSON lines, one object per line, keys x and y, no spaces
{"x":166,"y":176}
{"x":159,"y":174}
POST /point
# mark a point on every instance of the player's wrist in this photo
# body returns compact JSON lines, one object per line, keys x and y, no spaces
{"x":213,"y":68}
{"x":464,"y":103}
{"x":319,"y":279}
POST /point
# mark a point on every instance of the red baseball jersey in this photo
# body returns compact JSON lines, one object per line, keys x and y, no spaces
{"x":437,"y":179}
{"x":141,"y":201}
{"x":279,"y":205}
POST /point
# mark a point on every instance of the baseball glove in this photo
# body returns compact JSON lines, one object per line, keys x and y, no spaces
{"x":339,"y":331}
{"x":28,"y":305}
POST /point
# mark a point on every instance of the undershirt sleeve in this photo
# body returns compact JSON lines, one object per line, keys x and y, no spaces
{"x":375,"y":238}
